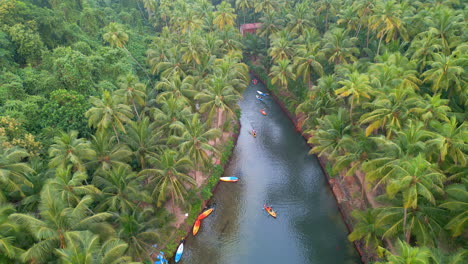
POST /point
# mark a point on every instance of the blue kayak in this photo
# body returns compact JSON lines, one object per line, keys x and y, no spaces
{"x":229,"y":179}
{"x":262,"y":94}
{"x":161,"y":259}
{"x":259,"y":97}
{"x":180,"y":251}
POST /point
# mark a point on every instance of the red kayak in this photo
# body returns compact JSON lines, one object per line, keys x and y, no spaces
{"x":263,"y":112}
{"x":205,"y":214}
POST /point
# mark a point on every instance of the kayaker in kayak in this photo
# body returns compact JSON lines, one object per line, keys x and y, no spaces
{"x":254,"y":133}
{"x":254,"y":81}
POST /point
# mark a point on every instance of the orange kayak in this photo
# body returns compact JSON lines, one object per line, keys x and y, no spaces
{"x":270,"y":211}
{"x":205,"y":214}
{"x":263,"y":112}
{"x":196,"y":227}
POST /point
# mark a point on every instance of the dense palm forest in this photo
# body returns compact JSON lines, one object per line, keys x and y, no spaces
{"x":380,"y":88}
{"x":112,"y":114}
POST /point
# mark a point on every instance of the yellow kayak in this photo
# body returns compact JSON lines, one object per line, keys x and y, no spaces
{"x":269,"y":210}
{"x":196,"y":227}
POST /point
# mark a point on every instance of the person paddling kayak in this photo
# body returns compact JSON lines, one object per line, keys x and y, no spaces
{"x":254,"y":133}
{"x":254,"y":81}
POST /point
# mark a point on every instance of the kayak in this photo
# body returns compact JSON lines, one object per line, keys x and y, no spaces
{"x":229,"y":179}
{"x":161,"y":259}
{"x":262,"y":94}
{"x":179,"y":252}
{"x":253,"y":134}
{"x":196,"y":227}
{"x":205,"y":214}
{"x":259,"y":97}
{"x":270,"y":211}
{"x":254,"y":81}
{"x":263,"y":112}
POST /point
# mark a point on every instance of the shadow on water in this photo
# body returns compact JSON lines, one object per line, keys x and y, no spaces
{"x":273,"y":168}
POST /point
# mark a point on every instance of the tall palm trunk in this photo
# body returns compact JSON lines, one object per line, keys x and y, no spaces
{"x":309,"y":83}
{"x":378,"y":47}
{"x":146,"y":73}
{"x":115,"y":132}
{"x":219,"y":121}
{"x":404,"y":224}
{"x":134,"y":108}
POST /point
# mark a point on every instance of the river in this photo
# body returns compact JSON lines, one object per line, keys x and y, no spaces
{"x":273,"y":168}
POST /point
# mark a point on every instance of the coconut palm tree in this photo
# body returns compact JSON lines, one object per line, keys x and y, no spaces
{"x":423,"y":47}
{"x":387,"y":21}
{"x":108,"y":112}
{"x":445,"y":74}
{"x":85,"y":247}
{"x":390,"y":111}
{"x":109,"y":153}
{"x":171,"y":110}
{"x":194,"y":140}
{"x":167,"y":62}
{"x":270,"y":25}
{"x":225,"y":15}
{"x":457,"y":204}
{"x":55,"y":220}
{"x":139,"y":230}
{"x":266,"y":6}
{"x":68,"y":149}
{"x":219,"y":96}
{"x":243,"y":4}
{"x":143,"y":139}
{"x":132,"y":92}
{"x":299,"y":19}
{"x":338,"y":47}
{"x":282,"y":46}
{"x":331,"y":130}
{"x":415,"y":178}
{"x":432,"y":108}
{"x":450,"y":140}
{"x":281,"y":73}
{"x":13,"y":170}
{"x":192,"y":49}
{"x":69,"y":186}
{"x":180,"y":88}
{"x":8,"y":233}
{"x":305,"y":62}
{"x":168,"y":176}
{"x":367,"y":228}
{"x":120,"y":190}
{"x":408,"y":255}
{"x":355,"y":87}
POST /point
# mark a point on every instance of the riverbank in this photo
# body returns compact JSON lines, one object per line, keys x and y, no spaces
{"x":206,"y":188}
{"x":343,"y":196}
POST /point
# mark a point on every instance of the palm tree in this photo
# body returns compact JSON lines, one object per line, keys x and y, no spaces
{"x":450,"y":140}
{"x":243,"y":4}
{"x":167,"y":62}
{"x":56,"y":220}
{"x":194,"y":141}
{"x":423,"y":47}
{"x":117,"y":37}
{"x":387,"y":21}
{"x":390,"y":111}
{"x":266,"y":6}
{"x":270,"y":23}
{"x":281,"y":73}
{"x":225,"y":15}
{"x":305,"y":62}
{"x":69,"y":186}
{"x":414,"y":178}
{"x":282,"y":46}
{"x":189,"y":22}
{"x":444,"y":24}
{"x":367,"y":228}
{"x":132,"y":91}
{"x":220,"y":97}
{"x":150,"y":6}
{"x":457,"y":203}
{"x":299,"y":19}
{"x":180,"y":88}
{"x":107,"y":112}
{"x":143,"y":139}
{"x":355,"y":87}
{"x":109,"y":154}
{"x":192,"y":49}
{"x":171,"y":110}
{"x":328,"y":7}
{"x":338,"y":46}
{"x":120,"y":190}
{"x":139,"y":230}
{"x":168,"y":176}
{"x":8,"y":233}
{"x":68,"y":149}
{"x":408,"y":255}
{"x":331,"y":130}
{"x":85,"y":247}
{"x":432,"y":108}
{"x":13,"y":170}
{"x":445,"y":74}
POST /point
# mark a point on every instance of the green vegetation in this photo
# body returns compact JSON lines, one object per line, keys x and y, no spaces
{"x":107,"y":111}
{"x":381,"y":88}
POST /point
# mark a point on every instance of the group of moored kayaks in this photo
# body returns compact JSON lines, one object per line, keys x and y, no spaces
{"x":208,"y":211}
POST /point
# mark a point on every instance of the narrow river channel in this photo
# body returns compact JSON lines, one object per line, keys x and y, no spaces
{"x":273,"y":168}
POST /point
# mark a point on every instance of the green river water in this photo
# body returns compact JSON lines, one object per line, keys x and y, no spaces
{"x":273,"y":168}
